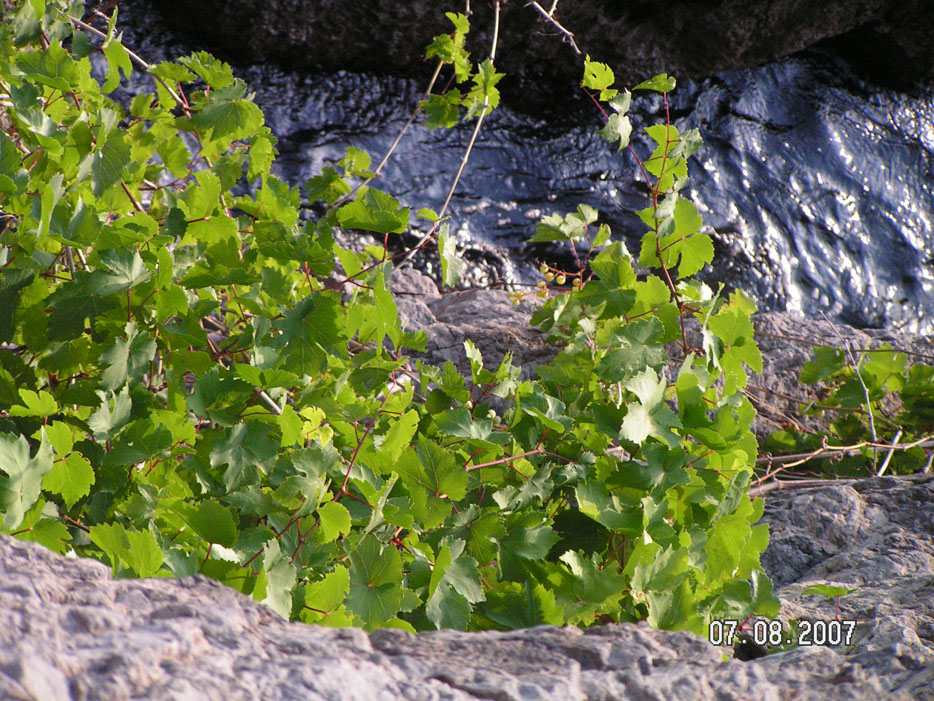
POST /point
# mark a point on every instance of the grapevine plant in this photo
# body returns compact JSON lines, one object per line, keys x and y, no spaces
{"x":196,"y":379}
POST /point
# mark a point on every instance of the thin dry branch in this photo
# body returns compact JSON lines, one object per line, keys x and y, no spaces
{"x":395,"y":144}
{"x":550,"y":17}
{"x":841,"y":450}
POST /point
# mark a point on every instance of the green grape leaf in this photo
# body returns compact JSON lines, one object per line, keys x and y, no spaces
{"x":280,"y":579}
{"x":451,"y":265}
{"x":262,"y":154}
{"x":458,"y":422}
{"x":50,"y":533}
{"x":135,"y":550}
{"x":448,"y":608}
{"x":329,"y":186}
{"x":67,"y":320}
{"x":52,"y":67}
{"x":21,"y":486}
{"x":112,"y":414}
{"x":36,"y":404}
{"x":375,"y":575}
{"x":572,"y":227}
{"x":334,"y":521}
{"x":141,"y":441}
{"x":324,"y":600}
{"x":483,"y":97}
{"x":599,"y":76}
{"x":529,"y":536}
{"x":442,"y":110}
{"x":374,"y":211}
{"x":659,"y":83}
{"x":651,"y":416}
{"x":230,"y":120}
{"x":117,"y":60}
{"x":110,"y":163}
{"x":311,"y":332}
{"x":127,"y":358}
{"x":826,"y":590}
{"x":638,"y":346}
{"x":355,"y":162}
{"x":212,"y":522}
{"x":434,"y":480}
{"x":674,"y":609}
{"x":480,"y":529}
{"x":587,"y":587}
{"x":523,"y":606}
{"x":609,"y":510}
{"x":548,"y":410}
{"x":617,"y":128}
{"x":614,"y":288}
{"x":826,"y":363}
{"x":399,"y":436}
{"x":11,"y":285}
{"x":449,"y":48}
{"x":215,"y":73}
{"x":72,"y":478}
{"x":243,"y":450}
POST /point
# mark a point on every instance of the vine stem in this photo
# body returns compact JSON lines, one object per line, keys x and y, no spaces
{"x":817,"y":405}
{"x":502,"y":461}
{"x":807,"y":484}
{"x":473,"y":139}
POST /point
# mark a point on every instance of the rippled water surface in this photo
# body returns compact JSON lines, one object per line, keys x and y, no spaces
{"x":817,"y":186}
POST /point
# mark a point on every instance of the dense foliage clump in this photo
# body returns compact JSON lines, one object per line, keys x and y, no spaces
{"x":186,"y":387}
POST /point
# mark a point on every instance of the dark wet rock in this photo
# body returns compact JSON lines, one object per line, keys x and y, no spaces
{"x":816,"y":186}
{"x":70,"y":631}
{"x":638,"y":39}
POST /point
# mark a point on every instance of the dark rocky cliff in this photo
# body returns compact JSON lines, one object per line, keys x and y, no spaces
{"x":885,"y":39}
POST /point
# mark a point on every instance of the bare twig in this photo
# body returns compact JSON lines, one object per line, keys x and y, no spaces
{"x":549,"y":15}
{"x":808,"y":484}
{"x":888,"y":457}
{"x":805,"y":400}
{"x":842,"y":450}
{"x":268,"y":401}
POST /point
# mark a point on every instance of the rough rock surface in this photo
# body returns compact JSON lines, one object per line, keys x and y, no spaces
{"x":70,"y":631}
{"x":875,"y":536}
{"x":485,"y":316}
{"x":887,"y":38}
